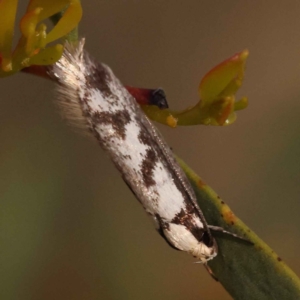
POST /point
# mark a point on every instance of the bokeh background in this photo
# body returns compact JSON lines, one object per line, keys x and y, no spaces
{"x":69,"y":226}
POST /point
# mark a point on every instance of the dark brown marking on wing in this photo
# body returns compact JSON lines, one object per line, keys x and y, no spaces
{"x":186,"y":218}
{"x":99,"y":77}
{"x":147,"y":167}
{"x":126,"y":156}
{"x":189,"y":204}
{"x":164,"y":225}
{"x":118,"y":120}
{"x":144,"y":137}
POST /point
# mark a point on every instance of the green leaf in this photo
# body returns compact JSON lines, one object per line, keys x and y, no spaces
{"x":246,"y":271}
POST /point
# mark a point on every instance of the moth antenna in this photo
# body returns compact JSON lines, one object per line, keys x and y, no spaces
{"x":220,"y":229}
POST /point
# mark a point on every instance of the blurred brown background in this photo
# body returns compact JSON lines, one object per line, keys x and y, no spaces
{"x":69,"y":226}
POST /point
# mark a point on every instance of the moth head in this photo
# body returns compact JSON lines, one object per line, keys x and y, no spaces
{"x":180,"y":237}
{"x":206,"y":250}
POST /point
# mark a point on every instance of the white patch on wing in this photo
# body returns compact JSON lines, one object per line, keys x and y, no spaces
{"x":181,"y":237}
{"x":132,"y":146}
{"x":170,"y":198}
{"x":198,"y":222}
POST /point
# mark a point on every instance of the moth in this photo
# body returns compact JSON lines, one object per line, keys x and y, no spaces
{"x":89,"y":91}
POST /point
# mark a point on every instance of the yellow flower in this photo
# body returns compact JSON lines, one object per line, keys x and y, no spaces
{"x":31,"y":48}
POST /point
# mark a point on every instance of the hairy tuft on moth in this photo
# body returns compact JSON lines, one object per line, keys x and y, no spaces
{"x":90,"y":94}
